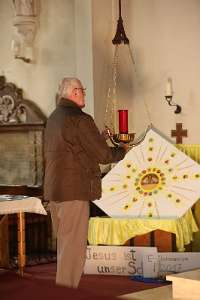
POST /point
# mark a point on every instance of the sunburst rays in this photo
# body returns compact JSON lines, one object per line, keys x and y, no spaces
{"x":154,"y":180}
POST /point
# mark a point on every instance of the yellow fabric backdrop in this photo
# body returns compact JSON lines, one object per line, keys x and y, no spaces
{"x":192,"y":150}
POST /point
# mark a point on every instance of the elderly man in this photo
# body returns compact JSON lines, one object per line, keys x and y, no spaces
{"x":73,"y":150}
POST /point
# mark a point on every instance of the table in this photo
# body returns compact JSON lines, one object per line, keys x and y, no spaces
{"x":21,"y":204}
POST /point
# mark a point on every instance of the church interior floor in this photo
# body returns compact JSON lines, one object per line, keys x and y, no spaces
{"x":38,"y":283}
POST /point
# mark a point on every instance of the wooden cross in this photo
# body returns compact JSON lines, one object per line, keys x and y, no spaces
{"x":179,"y":133}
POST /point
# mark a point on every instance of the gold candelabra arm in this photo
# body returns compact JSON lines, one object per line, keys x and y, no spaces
{"x":127,"y":138}
{"x":118,"y":138}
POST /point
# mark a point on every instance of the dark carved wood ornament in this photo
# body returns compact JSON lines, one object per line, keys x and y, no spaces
{"x":21,"y":140}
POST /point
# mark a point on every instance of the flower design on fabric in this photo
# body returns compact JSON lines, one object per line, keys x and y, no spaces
{"x":154,"y":180}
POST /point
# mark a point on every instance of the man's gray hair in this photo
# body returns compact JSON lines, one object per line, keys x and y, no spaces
{"x":66,"y":85}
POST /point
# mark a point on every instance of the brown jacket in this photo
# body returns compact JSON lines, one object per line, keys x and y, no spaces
{"x":73,"y":150}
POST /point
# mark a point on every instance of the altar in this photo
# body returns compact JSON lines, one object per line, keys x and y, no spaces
{"x":137,"y":231}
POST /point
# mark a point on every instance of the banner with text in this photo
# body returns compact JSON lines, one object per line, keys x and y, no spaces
{"x":146,"y":261}
{"x":177,"y":262}
{"x":121,"y":260}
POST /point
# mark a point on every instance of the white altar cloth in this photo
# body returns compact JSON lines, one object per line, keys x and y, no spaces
{"x":21,"y":204}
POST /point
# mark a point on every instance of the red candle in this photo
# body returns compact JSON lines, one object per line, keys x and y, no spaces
{"x":123,"y":121}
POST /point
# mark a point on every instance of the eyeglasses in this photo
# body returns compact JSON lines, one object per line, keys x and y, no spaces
{"x":82,"y":89}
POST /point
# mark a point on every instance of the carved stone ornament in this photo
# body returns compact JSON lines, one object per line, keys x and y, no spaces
{"x":25,"y":24}
{"x":14,"y":109}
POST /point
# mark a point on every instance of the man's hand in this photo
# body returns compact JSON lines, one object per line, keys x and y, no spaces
{"x":125,"y":146}
{"x":106,"y":133}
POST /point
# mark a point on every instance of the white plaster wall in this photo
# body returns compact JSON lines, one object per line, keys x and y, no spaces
{"x":164,"y":37}
{"x":55,"y":51}
{"x":84,"y":50}
{"x":63,"y":48}
{"x":75,"y":37}
{"x":102,"y":33}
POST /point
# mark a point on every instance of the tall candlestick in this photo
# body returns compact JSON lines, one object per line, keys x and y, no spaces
{"x":169,"y":89}
{"x":123,"y":121}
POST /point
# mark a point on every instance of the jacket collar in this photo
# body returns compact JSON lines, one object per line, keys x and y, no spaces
{"x":68,"y":103}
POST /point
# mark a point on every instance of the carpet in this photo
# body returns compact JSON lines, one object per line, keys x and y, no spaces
{"x":38,"y":283}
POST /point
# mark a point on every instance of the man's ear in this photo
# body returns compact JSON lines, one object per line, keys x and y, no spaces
{"x":72,"y":94}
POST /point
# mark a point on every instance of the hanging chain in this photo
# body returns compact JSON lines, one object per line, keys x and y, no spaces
{"x":111,"y":104}
{"x":110,"y":113}
{"x":139,"y":83}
